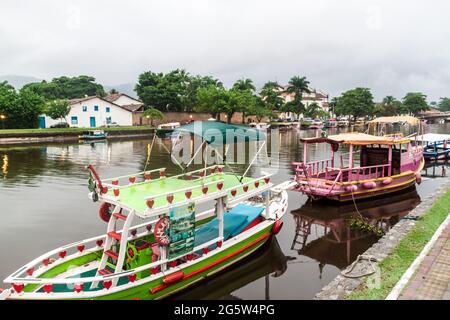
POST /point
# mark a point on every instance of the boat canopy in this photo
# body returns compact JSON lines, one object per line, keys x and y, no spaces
{"x":434,"y":137}
{"x":396,"y":119}
{"x":209,"y":131}
{"x":357,"y":138}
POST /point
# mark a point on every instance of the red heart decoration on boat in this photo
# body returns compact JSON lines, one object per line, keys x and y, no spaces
{"x":212,"y":170}
{"x":219,"y":244}
{"x":189,"y":257}
{"x":233,"y":192}
{"x":205,"y":190}
{"x":107,"y":284}
{"x":48,"y":288}
{"x":154,"y":270}
{"x":132,"y":277}
{"x":132,"y":179}
{"x":62,"y":254}
{"x":99,"y":243}
{"x":266,"y":179}
{"x":133,"y":232}
{"x":30,"y":271}
{"x":220,"y":185}
{"x":245,"y":188}
{"x":104,"y":189}
{"x":173,"y":264}
{"x":205,"y":250}
{"x":46,"y":261}
{"x":116,"y":192}
{"x":256,"y":184}
{"x":220,"y":169}
{"x":162,"y":174}
{"x":18,"y":287}
{"x":81,"y":248}
{"x":188,"y":194}
{"x":78,"y":287}
{"x":202,"y":173}
{"x":149,"y":227}
{"x":170,"y":198}
{"x":147,"y":176}
{"x":150,"y":203}
{"x":188,"y":177}
{"x":115,"y":182}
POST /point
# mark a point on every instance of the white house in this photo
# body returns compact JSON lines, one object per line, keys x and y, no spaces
{"x":95,"y":111}
{"x":316,"y":96}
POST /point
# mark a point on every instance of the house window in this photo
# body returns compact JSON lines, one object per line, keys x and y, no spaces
{"x":84,"y":108}
{"x":108,"y":109}
{"x":95,"y":108}
{"x":108,"y":120}
{"x":74,"y":120}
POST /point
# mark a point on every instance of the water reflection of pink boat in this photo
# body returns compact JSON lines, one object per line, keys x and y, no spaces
{"x":373,"y":166}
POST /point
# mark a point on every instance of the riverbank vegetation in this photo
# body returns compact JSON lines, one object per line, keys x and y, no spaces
{"x":180,"y":91}
{"x":395,"y":264}
{"x":71,"y":130}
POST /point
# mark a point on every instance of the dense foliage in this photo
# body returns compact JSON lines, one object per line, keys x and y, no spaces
{"x":67,"y":88}
{"x":57,"y":109}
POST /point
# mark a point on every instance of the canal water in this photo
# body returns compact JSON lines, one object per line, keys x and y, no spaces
{"x":43,"y":196}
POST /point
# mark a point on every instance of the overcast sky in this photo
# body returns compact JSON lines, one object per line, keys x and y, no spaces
{"x":391,"y":46}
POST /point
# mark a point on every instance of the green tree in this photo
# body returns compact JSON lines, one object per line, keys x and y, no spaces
{"x":195,"y":83}
{"x":357,"y":102}
{"x":390,"y":106}
{"x":212,"y":99}
{"x":261,"y":109}
{"x":313,"y":110}
{"x":113,"y":91}
{"x":152,"y":114}
{"x":444,"y":104}
{"x":415,"y":102}
{"x":67,"y":88}
{"x":244,"y":85}
{"x":20,"y":109}
{"x":244,"y":88}
{"x":270,"y":96}
{"x":166,"y":92}
{"x":296,"y":87}
{"x":57,"y":109}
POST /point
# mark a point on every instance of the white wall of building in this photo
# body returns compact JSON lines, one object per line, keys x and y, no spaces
{"x":81,"y":113}
{"x":124,"y":100}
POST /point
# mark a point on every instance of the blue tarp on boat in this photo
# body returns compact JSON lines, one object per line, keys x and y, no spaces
{"x":234,"y":220}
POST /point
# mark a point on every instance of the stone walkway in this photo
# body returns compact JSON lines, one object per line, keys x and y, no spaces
{"x":432,"y":279}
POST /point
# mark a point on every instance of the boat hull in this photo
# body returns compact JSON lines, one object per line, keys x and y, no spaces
{"x":157,"y":289}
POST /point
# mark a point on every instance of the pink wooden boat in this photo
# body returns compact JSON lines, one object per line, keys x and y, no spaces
{"x":371,"y":166}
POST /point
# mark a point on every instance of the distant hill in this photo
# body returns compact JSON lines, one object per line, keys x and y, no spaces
{"x":127,"y":88}
{"x":18,"y":81}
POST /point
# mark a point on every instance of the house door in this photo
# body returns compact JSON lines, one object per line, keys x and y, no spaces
{"x":92,"y":122}
{"x":42,"y":122}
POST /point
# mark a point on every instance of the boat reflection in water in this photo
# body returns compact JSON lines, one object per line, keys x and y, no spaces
{"x":336,"y":242}
{"x":267,"y":262}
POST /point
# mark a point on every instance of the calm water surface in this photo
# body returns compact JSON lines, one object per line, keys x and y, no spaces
{"x":43,"y":194}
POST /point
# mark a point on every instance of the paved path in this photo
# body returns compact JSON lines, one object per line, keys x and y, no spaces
{"x":432,"y":279}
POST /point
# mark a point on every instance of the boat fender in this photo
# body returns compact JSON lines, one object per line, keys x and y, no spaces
{"x":105,"y":211}
{"x":351,"y":188}
{"x":418,"y":178}
{"x":387,"y":181}
{"x":173,"y":277}
{"x":277,"y":226}
{"x":369,"y":185}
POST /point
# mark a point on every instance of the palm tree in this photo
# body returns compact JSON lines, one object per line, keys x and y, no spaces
{"x":297,"y":86}
{"x":152,"y":114}
{"x":244,"y":85}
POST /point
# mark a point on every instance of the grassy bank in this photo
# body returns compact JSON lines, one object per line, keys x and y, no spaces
{"x":69,"y":130}
{"x":395,"y":264}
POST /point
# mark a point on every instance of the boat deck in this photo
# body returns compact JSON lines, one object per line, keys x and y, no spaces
{"x":134,"y":196}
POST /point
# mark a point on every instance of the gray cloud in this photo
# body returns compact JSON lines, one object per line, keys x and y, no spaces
{"x":390,"y":46}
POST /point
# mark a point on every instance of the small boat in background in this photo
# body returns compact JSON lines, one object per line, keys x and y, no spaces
{"x":343,"y":123}
{"x":165,"y":130}
{"x":259,"y":125}
{"x":93,"y":135}
{"x":436,"y":146}
{"x":331,"y":123}
{"x":316,"y":124}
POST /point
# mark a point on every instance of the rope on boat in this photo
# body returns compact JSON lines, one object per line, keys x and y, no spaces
{"x":149,"y":152}
{"x":361,"y":257}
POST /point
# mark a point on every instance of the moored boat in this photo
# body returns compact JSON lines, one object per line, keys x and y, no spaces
{"x":316,"y":124}
{"x":93,"y":135}
{"x":331,"y":123}
{"x":175,"y":244}
{"x":373,"y":166}
{"x":165,"y":130}
{"x":436,"y":146}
